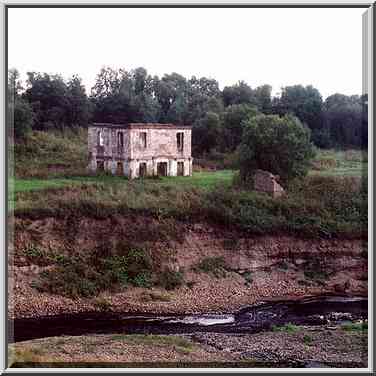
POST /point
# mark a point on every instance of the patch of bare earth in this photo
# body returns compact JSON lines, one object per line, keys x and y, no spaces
{"x":258,"y":268}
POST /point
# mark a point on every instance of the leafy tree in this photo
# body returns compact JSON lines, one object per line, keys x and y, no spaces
{"x":304,"y":102}
{"x":233,"y":118}
{"x":344,"y":120}
{"x":241,"y":93}
{"x":47,"y":95}
{"x":263,"y":97}
{"x":78,"y":109}
{"x":280,"y":145}
{"x":206,"y":133}
{"x":171,"y":93}
{"x":23,"y":118}
{"x":20,"y":114}
{"x":203,"y":95}
{"x":120,"y":96}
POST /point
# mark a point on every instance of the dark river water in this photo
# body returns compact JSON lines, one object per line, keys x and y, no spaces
{"x":250,"y":319}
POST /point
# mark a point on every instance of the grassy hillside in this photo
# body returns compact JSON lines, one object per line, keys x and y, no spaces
{"x":51,"y":154}
{"x":47,"y":155}
{"x":331,"y":201}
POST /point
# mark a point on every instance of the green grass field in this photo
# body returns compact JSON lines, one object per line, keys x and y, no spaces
{"x":206,"y":180}
{"x":52,"y":160}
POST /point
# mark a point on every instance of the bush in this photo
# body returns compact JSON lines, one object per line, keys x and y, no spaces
{"x":213,"y":265}
{"x":280,"y":145}
{"x":170,"y":280}
{"x":88,"y":276}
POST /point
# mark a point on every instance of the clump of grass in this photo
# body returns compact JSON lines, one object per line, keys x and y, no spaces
{"x":288,"y":328}
{"x":153,"y":296}
{"x":213,"y":265}
{"x":170,"y":279}
{"x":102,"y":304}
{"x":24,"y":355}
{"x":178,"y":343}
{"x":36,"y":255}
{"x":324,"y":163}
{"x":307,"y":339}
{"x":248,"y":277}
{"x":355,"y":327}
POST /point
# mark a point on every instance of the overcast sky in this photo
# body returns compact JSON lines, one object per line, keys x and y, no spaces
{"x":280,"y":47}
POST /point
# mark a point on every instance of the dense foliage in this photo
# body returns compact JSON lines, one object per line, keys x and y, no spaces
{"x":119,"y":96}
{"x":280,"y":145}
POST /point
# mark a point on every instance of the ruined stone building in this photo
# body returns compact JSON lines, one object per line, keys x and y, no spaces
{"x":266,"y":182}
{"x":140,"y":149}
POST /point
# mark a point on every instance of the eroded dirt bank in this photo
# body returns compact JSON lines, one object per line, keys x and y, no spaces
{"x":256,"y":267}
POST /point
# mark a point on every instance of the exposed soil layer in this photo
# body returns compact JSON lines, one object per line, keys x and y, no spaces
{"x":257,"y":268}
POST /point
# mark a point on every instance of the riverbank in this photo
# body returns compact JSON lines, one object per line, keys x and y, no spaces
{"x":220,"y":270}
{"x":289,"y":346}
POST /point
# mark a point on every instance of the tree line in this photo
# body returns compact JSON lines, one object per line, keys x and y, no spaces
{"x":48,"y":102}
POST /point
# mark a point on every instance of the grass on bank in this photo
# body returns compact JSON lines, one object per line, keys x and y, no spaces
{"x":318,"y":206}
{"x":330,"y":201}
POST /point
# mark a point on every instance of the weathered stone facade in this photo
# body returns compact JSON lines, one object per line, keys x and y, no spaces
{"x":140,"y":149}
{"x":266,"y":182}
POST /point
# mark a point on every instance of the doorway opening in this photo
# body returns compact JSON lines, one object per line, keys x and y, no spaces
{"x":100,"y":166}
{"x":119,"y":168}
{"x":142,"y":172}
{"x":162,"y":169}
{"x":180,"y":168}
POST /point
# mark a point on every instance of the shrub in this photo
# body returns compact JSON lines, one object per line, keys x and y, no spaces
{"x":288,"y":328}
{"x":280,"y":145}
{"x":212,"y":265}
{"x":170,"y":280}
{"x":88,"y":276}
{"x":307,"y":339}
{"x":102,"y":304}
{"x":355,"y":327}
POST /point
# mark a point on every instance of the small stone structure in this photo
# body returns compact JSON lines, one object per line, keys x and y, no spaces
{"x":266,"y":182}
{"x":140,"y":149}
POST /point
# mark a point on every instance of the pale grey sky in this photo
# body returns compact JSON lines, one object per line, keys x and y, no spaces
{"x":280,"y":47}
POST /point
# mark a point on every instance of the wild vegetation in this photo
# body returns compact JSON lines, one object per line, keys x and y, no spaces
{"x":234,"y":129}
{"x":49,"y":102}
{"x":318,"y":206}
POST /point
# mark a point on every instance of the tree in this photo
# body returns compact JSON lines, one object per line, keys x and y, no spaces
{"x":48,"y":97}
{"x":280,"y":145}
{"x":120,"y":96}
{"x":345,"y":120}
{"x":233,"y":118}
{"x":241,"y":93}
{"x":203,"y":96}
{"x":78,"y":106}
{"x":263,"y":96}
{"x":20,"y":114}
{"x":206,"y":132}
{"x":304,"y":102}
{"x":23,"y":118}
{"x":172,"y":95}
